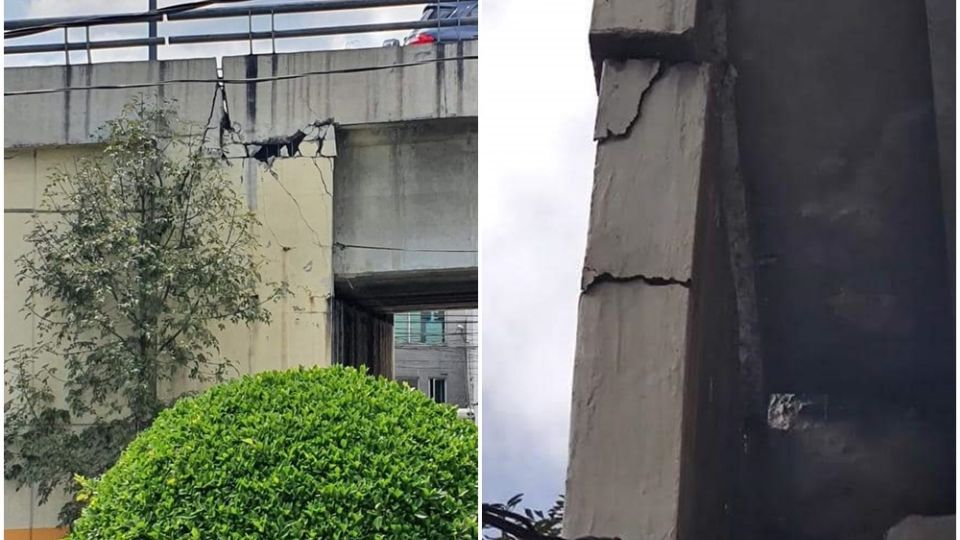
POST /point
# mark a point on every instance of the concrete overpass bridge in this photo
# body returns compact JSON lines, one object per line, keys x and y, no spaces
{"x":360,"y":164}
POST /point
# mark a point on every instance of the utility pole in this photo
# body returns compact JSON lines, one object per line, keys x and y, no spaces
{"x":152,"y":48}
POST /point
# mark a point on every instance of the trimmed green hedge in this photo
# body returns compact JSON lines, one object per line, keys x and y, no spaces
{"x":321,"y":453}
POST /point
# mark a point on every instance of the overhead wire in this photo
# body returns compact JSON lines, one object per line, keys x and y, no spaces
{"x":246,"y":80}
{"x":144,"y":16}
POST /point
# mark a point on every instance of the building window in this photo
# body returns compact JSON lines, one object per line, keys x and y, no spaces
{"x":438,"y":390}
{"x":419,"y":327}
{"x":431,"y":327}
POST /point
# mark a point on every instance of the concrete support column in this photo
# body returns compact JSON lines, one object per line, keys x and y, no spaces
{"x":654,"y":420}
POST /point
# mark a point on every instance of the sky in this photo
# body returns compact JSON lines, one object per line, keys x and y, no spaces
{"x":537,"y":103}
{"x":19,"y":9}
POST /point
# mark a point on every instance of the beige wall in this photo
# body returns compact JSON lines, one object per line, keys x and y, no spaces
{"x":293,"y":201}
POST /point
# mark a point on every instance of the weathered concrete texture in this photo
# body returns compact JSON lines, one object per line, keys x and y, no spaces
{"x":407,"y":196}
{"x":446,"y":89}
{"x":676,"y":30}
{"x":664,"y":17}
{"x":942,"y":34}
{"x":838,"y":149}
{"x":924,"y":528}
{"x":623,"y":477}
{"x":653,"y":427}
{"x":74,"y":117}
{"x":643,"y":210}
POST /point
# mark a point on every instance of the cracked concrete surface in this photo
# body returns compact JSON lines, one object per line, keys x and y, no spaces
{"x":592,"y":278}
{"x":645,"y":193}
{"x":623,"y":86}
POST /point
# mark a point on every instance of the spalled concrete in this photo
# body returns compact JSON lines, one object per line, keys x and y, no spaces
{"x":643,"y":209}
{"x":429,"y":83}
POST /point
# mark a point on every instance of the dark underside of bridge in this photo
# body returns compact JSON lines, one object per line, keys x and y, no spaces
{"x":393,"y":292}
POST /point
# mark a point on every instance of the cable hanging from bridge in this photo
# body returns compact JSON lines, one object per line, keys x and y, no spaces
{"x":255,"y":80}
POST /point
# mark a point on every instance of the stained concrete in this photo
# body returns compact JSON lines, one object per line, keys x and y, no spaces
{"x":75,"y":117}
{"x":942,"y":34}
{"x":674,"y":30}
{"x":838,"y":150}
{"x":431,"y":90}
{"x":405,"y":213}
{"x":418,"y":88}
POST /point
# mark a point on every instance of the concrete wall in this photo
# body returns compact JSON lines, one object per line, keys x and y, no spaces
{"x":295,"y":245}
{"x":406,"y":205}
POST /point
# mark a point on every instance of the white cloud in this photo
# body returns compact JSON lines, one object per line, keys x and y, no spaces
{"x":537,"y":102}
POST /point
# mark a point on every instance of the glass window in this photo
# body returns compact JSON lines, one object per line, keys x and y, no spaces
{"x":430,"y":13}
{"x":438,"y":390}
{"x":431,"y":327}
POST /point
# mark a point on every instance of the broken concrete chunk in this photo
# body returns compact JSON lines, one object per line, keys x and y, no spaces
{"x":645,"y":194}
{"x":794,"y":411}
{"x":622,"y":86}
{"x":924,"y":528}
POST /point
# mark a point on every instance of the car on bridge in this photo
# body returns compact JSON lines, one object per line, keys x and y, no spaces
{"x":446,"y":34}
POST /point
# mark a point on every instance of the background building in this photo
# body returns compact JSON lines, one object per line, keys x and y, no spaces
{"x":436,"y":353}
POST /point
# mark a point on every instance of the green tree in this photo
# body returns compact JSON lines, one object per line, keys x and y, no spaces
{"x":543,"y":523}
{"x":139,"y":253}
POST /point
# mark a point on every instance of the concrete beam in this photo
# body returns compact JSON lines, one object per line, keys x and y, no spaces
{"x":75,"y":116}
{"x":406,"y":198}
{"x":393,"y":292}
{"x":432,"y":90}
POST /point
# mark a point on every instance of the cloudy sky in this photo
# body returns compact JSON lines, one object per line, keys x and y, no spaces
{"x":536,"y":169}
{"x":537,"y":106}
{"x":18,"y":9}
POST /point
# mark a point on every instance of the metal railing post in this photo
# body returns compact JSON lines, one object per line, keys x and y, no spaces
{"x":152,"y":49}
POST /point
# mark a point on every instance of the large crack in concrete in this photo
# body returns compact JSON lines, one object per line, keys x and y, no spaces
{"x":606,"y":277}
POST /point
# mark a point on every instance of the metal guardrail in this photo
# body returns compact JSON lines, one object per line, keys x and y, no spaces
{"x":29,"y":27}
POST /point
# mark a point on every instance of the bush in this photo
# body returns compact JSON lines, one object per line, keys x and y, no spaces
{"x":321,"y":453}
